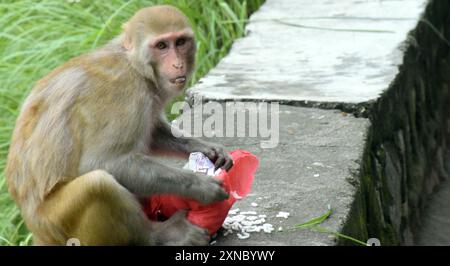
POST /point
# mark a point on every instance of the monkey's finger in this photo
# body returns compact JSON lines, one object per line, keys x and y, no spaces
{"x":200,"y":230}
{"x":206,"y":232}
{"x":228,"y":164}
{"x":218,"y":149}
{"x":218,"y":181}
{"x":202,"y":240}
{"x":198,"y":236}
{"x":212,"y":155}
{"x":219,"y":162}
{"x":223,"y":194}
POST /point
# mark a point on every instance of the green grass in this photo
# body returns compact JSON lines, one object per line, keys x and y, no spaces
{"x":36,"y":36}
{"x":314,"y":224}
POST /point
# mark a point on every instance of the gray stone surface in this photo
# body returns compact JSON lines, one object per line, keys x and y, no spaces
{"x":338,"y":51}
{"x":435,"y":230}
{"x":318,"y":154}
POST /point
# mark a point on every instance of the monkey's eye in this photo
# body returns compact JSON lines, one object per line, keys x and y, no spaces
{"x":180,"y":42}
{"x":161,"y":45}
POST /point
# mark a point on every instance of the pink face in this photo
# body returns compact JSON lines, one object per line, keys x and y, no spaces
{"x":174,"y":54}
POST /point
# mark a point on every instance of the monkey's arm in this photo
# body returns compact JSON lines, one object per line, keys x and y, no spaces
{"x":164,"y":140}
{"x":143,"y":176}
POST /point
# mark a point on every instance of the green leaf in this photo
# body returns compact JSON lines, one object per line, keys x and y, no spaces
{"x":315,"y":221}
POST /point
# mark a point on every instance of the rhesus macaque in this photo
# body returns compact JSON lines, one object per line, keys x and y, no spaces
{"x":80,"y":154}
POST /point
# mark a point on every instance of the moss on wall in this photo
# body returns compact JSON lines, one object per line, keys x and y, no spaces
{"x":406,"y":151}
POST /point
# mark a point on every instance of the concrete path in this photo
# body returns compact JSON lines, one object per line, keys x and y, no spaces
{"x":322,"y":51}
{"x":313,"y":165}
{"x":315,"y":50}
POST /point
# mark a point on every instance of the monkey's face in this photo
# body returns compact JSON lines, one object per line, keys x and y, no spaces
{"x":172,"y":57}
{"x":162,"y":46}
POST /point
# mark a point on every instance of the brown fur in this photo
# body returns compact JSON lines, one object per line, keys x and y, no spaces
{"x":101,"y":111}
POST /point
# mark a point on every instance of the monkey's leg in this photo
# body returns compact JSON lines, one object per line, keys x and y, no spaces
{"x":97,"y":210}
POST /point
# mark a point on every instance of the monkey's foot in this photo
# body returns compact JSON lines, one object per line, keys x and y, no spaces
{"x":178,"y":231}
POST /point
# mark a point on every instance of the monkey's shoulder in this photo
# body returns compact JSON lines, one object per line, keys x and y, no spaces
{"x":107,"y":66}
{"x":103,"y":65}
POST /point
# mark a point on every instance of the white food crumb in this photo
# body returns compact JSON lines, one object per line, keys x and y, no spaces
{"x":254,"y":204}
{"x":316,"y":175}
{"x":252,"y":228}
{"x":267,"y":228}
{"x":233,"y":211}
{"x":244,"y":235}
{"x":239,"y":217}
{"x":228,"y":232}
{"x":284,"y":215}
{"x":246,"y":222}
{"x":235,"y":195}
{"x":280,"y":229}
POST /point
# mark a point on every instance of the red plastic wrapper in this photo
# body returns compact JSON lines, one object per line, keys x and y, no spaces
{"x":237,"y":182}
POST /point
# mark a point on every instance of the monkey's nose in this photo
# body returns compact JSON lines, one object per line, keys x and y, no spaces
{"x":178,"y":66}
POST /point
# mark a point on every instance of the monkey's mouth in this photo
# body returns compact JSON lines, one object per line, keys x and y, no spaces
{"x":179,"y":80}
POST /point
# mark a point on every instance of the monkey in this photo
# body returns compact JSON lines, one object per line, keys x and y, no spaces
{"x":81,"y":156}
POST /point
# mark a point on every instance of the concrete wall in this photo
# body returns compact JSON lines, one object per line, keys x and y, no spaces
{"x":406,"y":151}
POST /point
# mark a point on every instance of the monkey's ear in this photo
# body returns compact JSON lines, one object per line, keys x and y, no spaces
{"x":127,"y":41}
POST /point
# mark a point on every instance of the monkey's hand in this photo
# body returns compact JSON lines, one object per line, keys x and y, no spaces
{"x":206,"y":189}
{"x":217,"y":155}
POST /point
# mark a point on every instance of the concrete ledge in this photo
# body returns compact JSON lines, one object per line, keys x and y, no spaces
{"x":343,"y":51}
